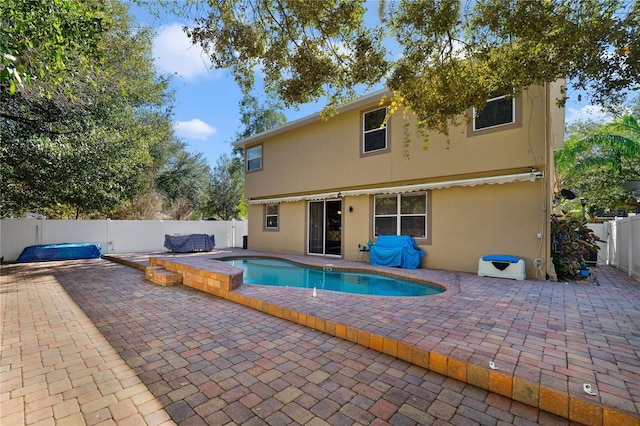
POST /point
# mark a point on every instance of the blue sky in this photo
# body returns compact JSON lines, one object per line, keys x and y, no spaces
{"x":206,"y":113}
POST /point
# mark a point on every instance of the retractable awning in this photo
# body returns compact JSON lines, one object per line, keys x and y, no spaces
{"x":492,"y":180}
{"x":309,"y":197}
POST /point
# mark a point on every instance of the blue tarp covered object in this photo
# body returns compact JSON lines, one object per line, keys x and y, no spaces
{"x":65,"y":251}
{"x":190,"y":242}
{"x":396,"y":250}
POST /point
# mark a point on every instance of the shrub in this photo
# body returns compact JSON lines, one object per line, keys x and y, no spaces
{"x":572,"y":245}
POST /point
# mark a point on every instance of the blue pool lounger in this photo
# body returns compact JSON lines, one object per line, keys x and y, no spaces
{"x":64,"y":251}
{"x":501,"y":266}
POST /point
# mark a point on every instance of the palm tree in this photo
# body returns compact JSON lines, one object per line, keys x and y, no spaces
{"x":595,"y":162}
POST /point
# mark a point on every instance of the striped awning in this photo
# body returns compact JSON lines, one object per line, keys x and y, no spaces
{"x":492,"y":180}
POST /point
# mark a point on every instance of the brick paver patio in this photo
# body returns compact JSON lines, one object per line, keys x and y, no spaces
{"x":56,"y":367}
{"x":201,"y":359}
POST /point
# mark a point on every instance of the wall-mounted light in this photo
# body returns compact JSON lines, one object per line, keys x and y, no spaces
{"x":350,"y":208}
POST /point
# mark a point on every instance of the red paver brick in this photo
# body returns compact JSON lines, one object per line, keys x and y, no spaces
{"x":516,"y":331}
{"x":383,"y":409}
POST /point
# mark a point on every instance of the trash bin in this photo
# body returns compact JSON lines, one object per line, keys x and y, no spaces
{"x":244,"y":241}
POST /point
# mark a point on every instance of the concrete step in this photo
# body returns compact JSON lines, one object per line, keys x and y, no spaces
{"x":160,"y":276}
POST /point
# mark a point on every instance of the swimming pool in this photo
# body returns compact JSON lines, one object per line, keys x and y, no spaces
{"x":281,"y":273}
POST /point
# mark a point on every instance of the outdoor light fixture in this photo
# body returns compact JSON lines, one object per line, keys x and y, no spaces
{"x":350,"y":209}
{"x":583,"y":202}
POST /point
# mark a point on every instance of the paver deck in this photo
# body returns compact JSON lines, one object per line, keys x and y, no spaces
{"x":56,"y":367}
{"x":211,"y":361}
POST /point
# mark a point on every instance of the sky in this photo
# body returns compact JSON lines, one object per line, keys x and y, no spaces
{"x":206,"y":110}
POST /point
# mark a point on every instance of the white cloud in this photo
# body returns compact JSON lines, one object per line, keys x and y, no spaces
{"x":587,"y":113}
{"x":175,"y":54}
{"x":194,"y":129}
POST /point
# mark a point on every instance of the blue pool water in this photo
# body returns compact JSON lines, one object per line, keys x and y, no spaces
{"x":287,"y":274}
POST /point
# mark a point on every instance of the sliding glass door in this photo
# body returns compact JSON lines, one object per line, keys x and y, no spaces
{"x":325,"y":228}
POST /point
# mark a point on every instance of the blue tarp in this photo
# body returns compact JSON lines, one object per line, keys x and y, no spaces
{"x":190,"y":242}
{"x":65,"y":251}
{"x":396,"y":250}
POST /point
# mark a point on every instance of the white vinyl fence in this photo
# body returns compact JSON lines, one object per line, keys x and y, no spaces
{"x":114,"y":236}
{"x":622,"y":244}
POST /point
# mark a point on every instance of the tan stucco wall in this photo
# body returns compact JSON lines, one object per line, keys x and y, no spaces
{"x":466,"y":223}
{"x":325,"y":155}
{"x":290,"y":238}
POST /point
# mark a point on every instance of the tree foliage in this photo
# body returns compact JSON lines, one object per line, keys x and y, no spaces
{"x":226,"y":192}
{"x":184,"y":181}
{"x":226,"y":189}
{"x":597,"y":160}
{"x":95,"y":148}
{"x":452,"y":54}
{"x":52,"y":41}
{"x":257,"y":117}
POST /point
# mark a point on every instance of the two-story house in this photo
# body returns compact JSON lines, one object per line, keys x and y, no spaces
{"x":326,"y":187}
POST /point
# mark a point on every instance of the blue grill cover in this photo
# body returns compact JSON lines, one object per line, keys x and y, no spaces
{"x":396,"y":250}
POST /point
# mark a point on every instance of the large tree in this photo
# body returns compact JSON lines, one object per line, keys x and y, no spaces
{"x":255,"y":117}
{"x":184,"y":181}
{"x":225,"y":190}
{"x":452,"y":54}
{"x":91,"y":148}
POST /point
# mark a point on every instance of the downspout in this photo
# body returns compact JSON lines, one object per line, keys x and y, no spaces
{"x":549,"y":177}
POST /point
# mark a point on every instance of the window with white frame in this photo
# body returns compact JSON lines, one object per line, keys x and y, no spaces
{"x":374,"y":130}
{"x":401,"y":214}
{"x":254,"y":158}
{"x":271,"y":215}
{"x":497,"y":112}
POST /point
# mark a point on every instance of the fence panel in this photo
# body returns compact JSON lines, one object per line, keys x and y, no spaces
{"x":16,"y":234}
{"x":633,"y":247}
{"x":114,"y":236}
{"x":73,"y":231}
{"x":624,"y":245}
{"x":133,"y":236}
{"x":602,"y":231}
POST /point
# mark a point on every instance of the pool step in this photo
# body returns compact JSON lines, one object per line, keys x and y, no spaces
{"x":160,"y":276}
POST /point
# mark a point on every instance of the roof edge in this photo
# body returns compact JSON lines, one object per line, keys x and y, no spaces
{"x":311,"y":118}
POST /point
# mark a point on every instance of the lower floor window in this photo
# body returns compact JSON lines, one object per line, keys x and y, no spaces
{"x":401,"y":214}
{"x":271,"y":216}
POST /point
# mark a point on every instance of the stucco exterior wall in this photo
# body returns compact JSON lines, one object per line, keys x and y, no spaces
{"x":465,"y":222}
{"x":468,"y":223}
{"x":325,"y":155}
{"x":289,"y":238}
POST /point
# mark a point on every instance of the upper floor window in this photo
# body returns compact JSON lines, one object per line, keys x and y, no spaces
{"x":271,"y":213}
{"x":254,"y":158}
{"x":401,"y":214}
{"x":374,"y":130}
{"x":497,"y":112}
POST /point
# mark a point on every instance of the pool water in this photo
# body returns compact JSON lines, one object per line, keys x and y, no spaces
{"x":281,"y":273}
